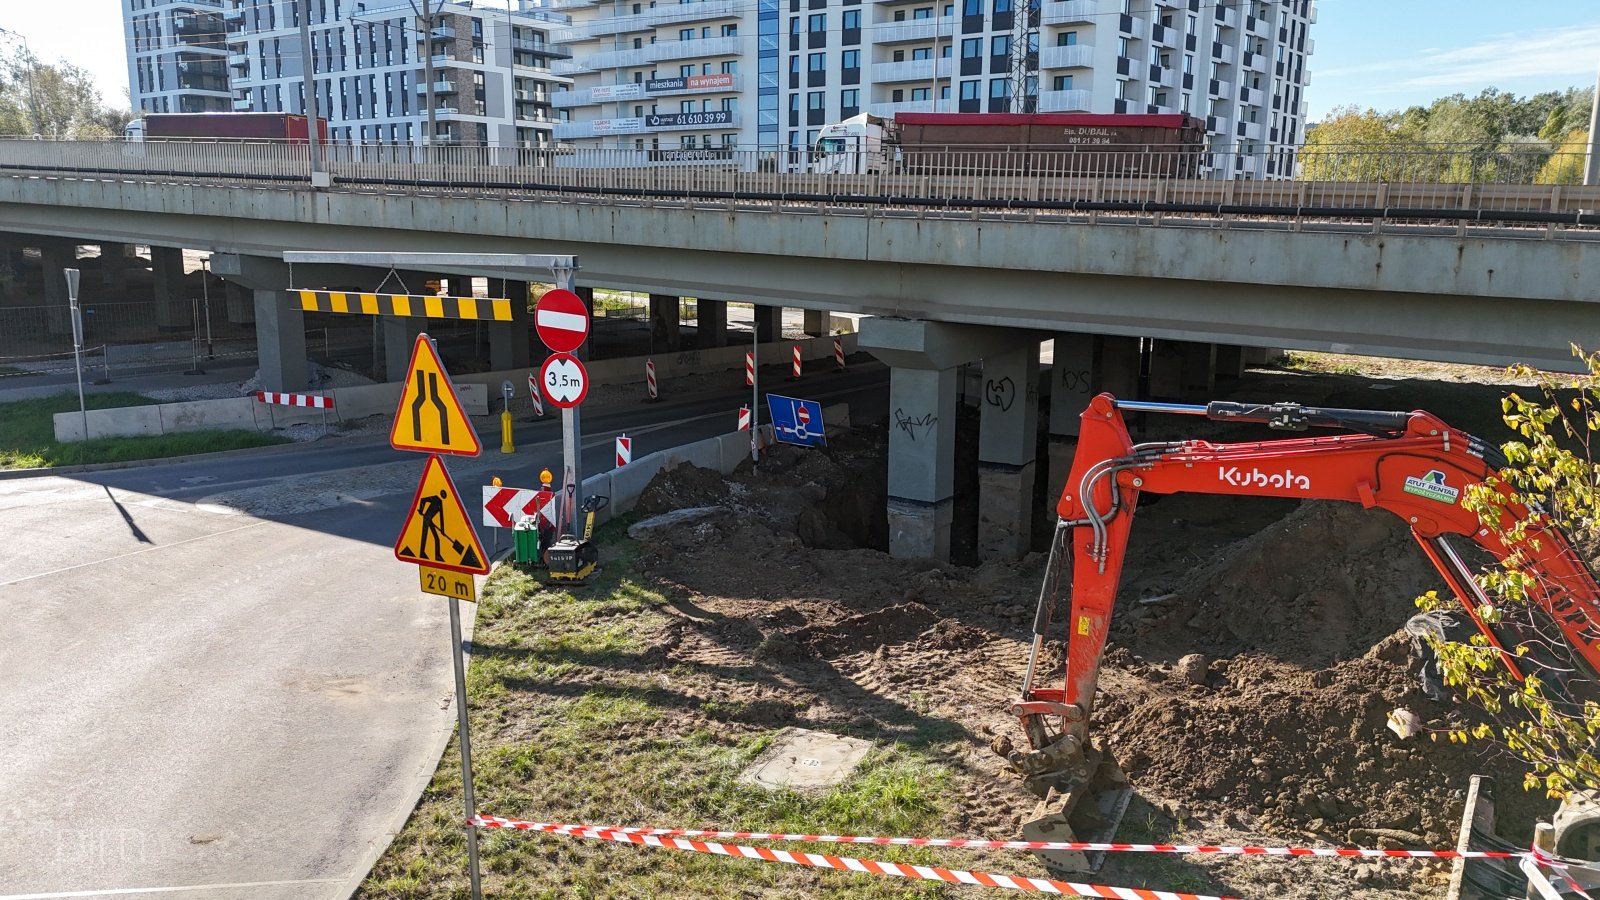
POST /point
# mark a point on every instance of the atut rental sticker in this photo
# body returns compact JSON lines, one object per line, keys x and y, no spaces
{"x":1433,"y":487}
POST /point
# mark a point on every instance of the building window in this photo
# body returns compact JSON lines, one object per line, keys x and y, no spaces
{"x":1063,"y":83}
{"x":1158,"y":97}
{"x":686,"y":106}
{"x":794,"y":25}
{"x":1002,"y":6}
{"x":730,"y":30}
{"x":1067,"y":39}
{"x":685,"y":34}
{"x":850,"y":59}
{"x":685,"y":71}
{"x":852,"y":19}
{"x":922,"y":53}
{"x":999,"y":88}
{"x":971,"y":48}
{"x":972,"y":7}
{"x":919,"y":94}
{"x":817,"y":23}
{"x":794,"y":103}
{"x":850,"y":98}
{"x":1123,"y":46}
{"x":925,"y":12}
{"x":816,"y":62}
{"x":1000,"y":45}
{"x":814,"y":99}
{"x":730,"y":67}
{"x":1188,"y":64}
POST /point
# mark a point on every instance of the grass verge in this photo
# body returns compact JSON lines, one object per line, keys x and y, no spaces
{"x":570,"y":724}
{"x":27,"y":435}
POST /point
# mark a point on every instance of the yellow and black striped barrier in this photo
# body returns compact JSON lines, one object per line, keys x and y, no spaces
{"x":497,"y":309}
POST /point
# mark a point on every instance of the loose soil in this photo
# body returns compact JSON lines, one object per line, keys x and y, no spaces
{"x":1296,"y":607}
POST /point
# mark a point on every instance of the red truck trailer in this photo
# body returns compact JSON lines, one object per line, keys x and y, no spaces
{"x":224,"y":126}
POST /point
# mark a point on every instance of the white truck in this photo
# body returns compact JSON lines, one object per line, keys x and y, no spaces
{"x":860,"y":145}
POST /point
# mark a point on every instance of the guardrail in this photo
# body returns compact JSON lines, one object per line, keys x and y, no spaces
{"x":1088,"y":181}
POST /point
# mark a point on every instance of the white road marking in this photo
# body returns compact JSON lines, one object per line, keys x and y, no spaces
{"x":113,"y":892}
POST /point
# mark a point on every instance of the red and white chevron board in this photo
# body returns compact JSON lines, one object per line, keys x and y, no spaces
{"x":744,"y":418}
{"x":838,"y":352}
{"x":650,"y":377}
{"x":624,"y":450}
{"x":847,"y":863}
{"x":503,"y":506}
{"x":536,"y":394}
{"x":276,"y":398}
{"x":796,"y":361}
{"x":749,"y":368}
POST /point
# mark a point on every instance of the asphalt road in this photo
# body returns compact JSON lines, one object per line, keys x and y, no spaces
{"x":216,"y":680}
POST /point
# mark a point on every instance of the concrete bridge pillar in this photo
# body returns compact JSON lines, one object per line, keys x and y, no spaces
{"x":172,"y":307}
{"x":1199,"y":370}
{"x":711,"y":323}
{"x":815,"y":322}
{"x":924,"y":360}
{"x":55,"y":257}
{"x":280,"y":342}
{"x":1230,"y":362}
{"x":240,"y":305}
{"x":665,"y":322}
{"x":1008,"y":438}
{"x":1117,"y":366}
{"x":769,"y":324}
{"x":586,"y":294}
{"x":509,"y":346}
{"x":114,"y":268}
{"x":1166,"y":370}
{"x":399,"y":336}
{"x":1073,"y":385}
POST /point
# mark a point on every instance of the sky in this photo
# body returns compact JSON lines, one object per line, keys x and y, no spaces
{"x":1384,"y":54}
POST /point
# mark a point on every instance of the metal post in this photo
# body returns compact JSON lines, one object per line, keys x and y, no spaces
{"x":464,"y":738}
{"x":571,"y":429}
{"x":755,"y":387}
{"x":77,"y":343}
{"x":427,"y":68}
{"x":308,"y":82}
{"x":1591,"y":171}
{"x":205,"y":298}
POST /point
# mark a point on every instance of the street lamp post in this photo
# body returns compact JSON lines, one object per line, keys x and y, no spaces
{"x":33,"y":100}
{"x":77,"y":342}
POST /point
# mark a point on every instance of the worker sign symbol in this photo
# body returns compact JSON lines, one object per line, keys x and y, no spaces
{"x":430,"y":417}
{"x":437,"y":532}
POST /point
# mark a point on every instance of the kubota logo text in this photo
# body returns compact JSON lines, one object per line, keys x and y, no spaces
{"x":1254,"y":477}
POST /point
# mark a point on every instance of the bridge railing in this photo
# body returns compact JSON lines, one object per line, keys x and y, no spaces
{"x":1427,"y":182}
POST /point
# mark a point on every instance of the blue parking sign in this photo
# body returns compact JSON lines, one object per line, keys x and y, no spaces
{"x":796,"y":421}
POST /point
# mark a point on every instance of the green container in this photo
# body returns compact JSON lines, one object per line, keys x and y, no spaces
{"x":526,"y":534}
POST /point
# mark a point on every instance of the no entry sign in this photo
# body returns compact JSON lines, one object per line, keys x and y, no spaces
{"x":561,"y":320}
{"x":564,"y":379}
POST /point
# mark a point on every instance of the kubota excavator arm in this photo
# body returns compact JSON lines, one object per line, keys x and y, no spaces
{"x":1411,"y":464}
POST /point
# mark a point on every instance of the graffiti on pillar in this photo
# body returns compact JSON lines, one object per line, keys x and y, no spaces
{"x":1000,"y":393}
{"x":689,"y":358}
{"x":1075,"y":381}
{"x":912,"y":426}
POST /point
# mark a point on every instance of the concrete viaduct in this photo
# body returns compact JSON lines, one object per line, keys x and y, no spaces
{"x":944,"y":290}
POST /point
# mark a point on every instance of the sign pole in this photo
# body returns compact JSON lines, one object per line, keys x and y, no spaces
{"x":464,"y":738}
{"x":571,"y":428}
{"x":755,"y":387}
{"x":77,"y":343}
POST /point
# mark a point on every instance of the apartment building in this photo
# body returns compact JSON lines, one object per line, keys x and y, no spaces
{"x":684,"y":76}
{"x":491,"y":65}
{"x":176,"y":55}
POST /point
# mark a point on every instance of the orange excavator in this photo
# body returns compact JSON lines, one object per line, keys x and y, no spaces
{"x":1411,"y":464}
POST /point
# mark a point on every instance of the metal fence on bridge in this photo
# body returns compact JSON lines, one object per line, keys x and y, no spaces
{"x":1451,"y":184}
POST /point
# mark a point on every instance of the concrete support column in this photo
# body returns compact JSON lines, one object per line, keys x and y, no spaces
{"x":1008,"y":438}
{"x":922,"y":448}
{"x":1260,"y":356}
{"x":586,"y":294}
{"x":665,"y":322}
{"x":55,"y":258}
{"x":816,"y":322}
{"x":1117,"y":366}
{"x":114,"y":268}
{"x":399,"y":336}
{"x":1199,"y":370}
{"x":769,"y":324}
{"x":281,"y":342}
{"x":509,"y":346}
{"x":1166,"y":370}
{"x":1073,"y":384}
{"x":241,"y":306}
{"x":172,"y":307}
{"x":1230,"y":362}
{"x":711,"y":323}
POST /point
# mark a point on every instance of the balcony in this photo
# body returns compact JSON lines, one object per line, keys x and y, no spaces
{"x":444,"y":59}
{"x":648,"y":19}
{"x":1220,"y":89}
{"x":238,"y":60}
{"x":439,"y":87}
{"x":236,"y":14}
{"x":543,"y":48}
{"x":1255,"y":62}
{"x":585,"y":97}
{"x":1226,"y":16}
{"x":908,"y":106}
{"x":913,"y":30}
{"x":909,"y":70}
{"x":1163,"y":76}
{"x":440,"y":33}
{"x":1249,"y":131}
{"x":531,"y":96}
{"x":1069,"y":12}
{"x":1065,"y":101}
{"x":1075,"y":56}
{"x":535,"y":118}
{"x":241,"y":104}
{"x":650,"y":53}
{"x":572,"y":4}
{"x":206,"y":25}
{"x":1219,"y":125}
{"x":1222,"y":53}
{"x":1257,"y":26}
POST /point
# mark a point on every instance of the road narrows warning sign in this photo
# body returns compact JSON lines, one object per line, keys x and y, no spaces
{"x":429,"y":418}
{"x":438,"y":532}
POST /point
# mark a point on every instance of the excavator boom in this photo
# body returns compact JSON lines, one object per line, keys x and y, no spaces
{"x":1411,"y":464}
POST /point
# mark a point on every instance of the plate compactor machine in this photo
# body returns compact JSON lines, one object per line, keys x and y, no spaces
{"x":1411,"y":464}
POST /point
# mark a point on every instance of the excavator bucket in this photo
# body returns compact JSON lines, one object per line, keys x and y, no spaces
{"x":1090,"y":813}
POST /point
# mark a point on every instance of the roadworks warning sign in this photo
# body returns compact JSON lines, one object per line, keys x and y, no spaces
{"x":437,"y":532}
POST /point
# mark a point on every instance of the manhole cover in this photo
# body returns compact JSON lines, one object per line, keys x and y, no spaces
{"x":802,"y":759}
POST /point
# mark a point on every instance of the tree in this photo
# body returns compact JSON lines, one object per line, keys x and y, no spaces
{"x":54,"y":101}
{"x":1551,"y":718}
{"x":1354,"y":144}
{"x":1566,"y":166}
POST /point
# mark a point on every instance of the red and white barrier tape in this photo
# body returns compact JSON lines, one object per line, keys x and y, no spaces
{"x":964,"y":844}
{"x":848,"y":864}
{"x":276,"y":398}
